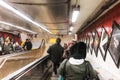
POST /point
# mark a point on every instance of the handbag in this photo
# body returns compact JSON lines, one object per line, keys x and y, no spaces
{"x":62,"y":75}
{"x":88,"y":76}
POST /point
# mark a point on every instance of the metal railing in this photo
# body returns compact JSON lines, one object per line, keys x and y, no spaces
{"x":32,"y":58}
{"x":42,"y":65}
{"x":3,"y":58}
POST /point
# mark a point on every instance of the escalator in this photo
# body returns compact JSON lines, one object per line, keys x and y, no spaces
{"x":26,"y":65}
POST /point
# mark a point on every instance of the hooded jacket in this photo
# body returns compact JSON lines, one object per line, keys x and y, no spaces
{"x":76,"y":69}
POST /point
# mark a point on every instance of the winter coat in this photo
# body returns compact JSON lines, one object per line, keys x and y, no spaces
{"x":55,"y":52}
{"x":7,"y":49}
{"x":28,"y":45}
{"x":76,"y":69}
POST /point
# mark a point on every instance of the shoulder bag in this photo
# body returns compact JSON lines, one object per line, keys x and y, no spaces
{"x":88,"y":76}
{"x":62,"y":76}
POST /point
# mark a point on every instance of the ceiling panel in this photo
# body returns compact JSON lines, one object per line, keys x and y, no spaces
{"x":61,"y":28}
{"x":37,"y":1}
{"x":45,"y":14}
{"x":55,"y":15}
{"x":10,"y":17}
{"x":88,"y":9}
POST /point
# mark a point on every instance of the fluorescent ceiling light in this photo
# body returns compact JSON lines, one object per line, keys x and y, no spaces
{"x":5,"y":5}
{"x":9,"y":24}
{"x":71,"y":28}
{"x":75,"y":15}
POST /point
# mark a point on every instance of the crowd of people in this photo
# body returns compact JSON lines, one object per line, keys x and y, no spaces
{"x":70,"y":62}
{"x":10,"y":46}
{"x":68,"y":59}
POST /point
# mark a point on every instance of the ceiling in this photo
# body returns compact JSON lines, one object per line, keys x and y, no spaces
{"x":54,"y":15}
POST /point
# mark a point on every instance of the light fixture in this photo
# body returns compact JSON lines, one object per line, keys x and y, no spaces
{"x":5,"y":5}
{"x":9,"y":24}
{"x":75,"y":14}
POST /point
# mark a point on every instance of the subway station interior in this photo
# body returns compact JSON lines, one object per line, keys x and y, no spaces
{"x":94,"y":22}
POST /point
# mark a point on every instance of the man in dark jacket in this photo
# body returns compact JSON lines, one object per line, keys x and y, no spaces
{"x":27,"y":45}
{"x":55,"y":52}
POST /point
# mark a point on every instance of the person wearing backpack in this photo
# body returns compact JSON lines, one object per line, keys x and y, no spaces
{"x":76,"y":67}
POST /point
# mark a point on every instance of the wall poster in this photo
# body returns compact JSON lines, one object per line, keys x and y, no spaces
{"x":103,"y":42}
{"x":92,"y":36}
{"x":84,"y":38}
{"x":96,"y":43}
{"x":114,"y":46}
{"x":87,"y":41}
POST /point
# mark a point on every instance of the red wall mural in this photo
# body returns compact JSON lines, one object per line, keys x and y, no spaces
{"x":107,"y":20}
{"x":13,"y":37}
{"x":108,"y":29}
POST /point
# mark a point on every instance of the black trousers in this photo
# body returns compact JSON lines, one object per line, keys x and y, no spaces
{"x":55,"y":67}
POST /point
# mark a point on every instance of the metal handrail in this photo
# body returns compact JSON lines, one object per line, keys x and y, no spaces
{"x":42,"y":43}
{"x":2,"y":62}
{"x":17,"y":74}
{"x":5,"y":57}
